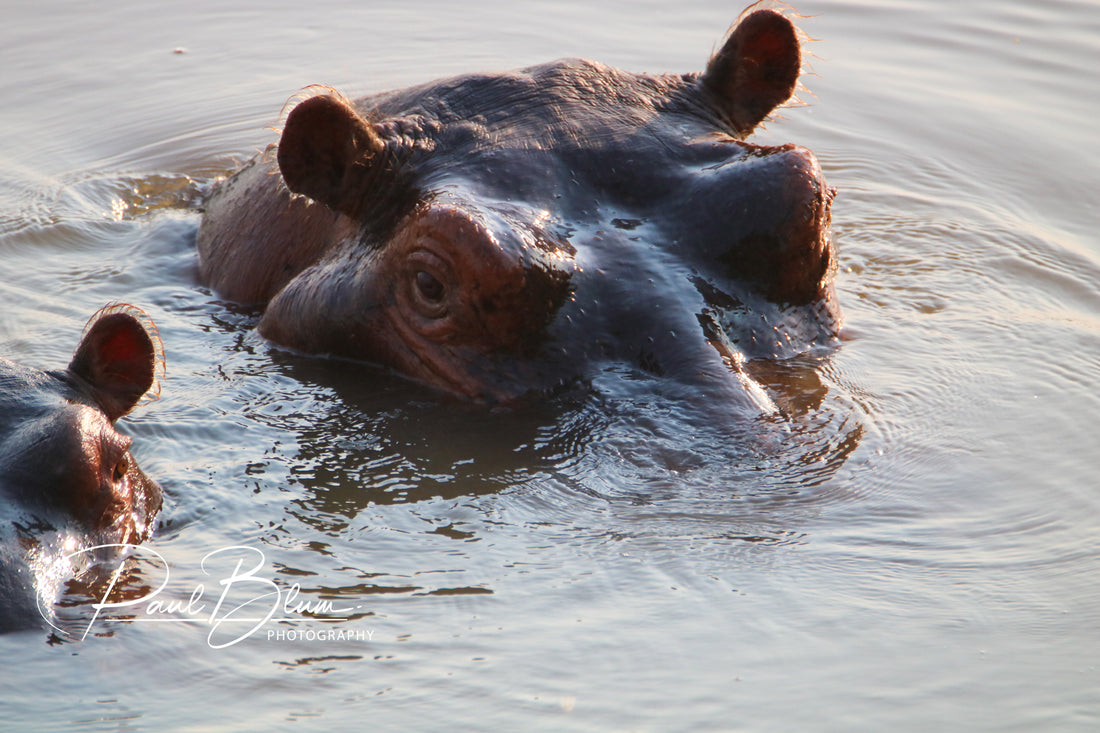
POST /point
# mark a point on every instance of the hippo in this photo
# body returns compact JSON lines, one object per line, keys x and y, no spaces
{"x":67,"y":478}
{"x":501,"y":234}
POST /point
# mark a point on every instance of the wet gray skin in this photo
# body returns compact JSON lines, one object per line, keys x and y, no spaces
{"x":497,"y":235}
{"x":67,"y":479}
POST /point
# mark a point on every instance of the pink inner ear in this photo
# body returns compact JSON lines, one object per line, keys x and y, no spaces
{"x":323,"y":137}
{"x":122,"y":349}
{"x":757,"y":68}
{"x":117,"y":359}
{"x":772,"y":63}
{"x":769,"y":48}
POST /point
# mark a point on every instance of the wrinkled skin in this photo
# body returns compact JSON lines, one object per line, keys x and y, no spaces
{"x":492,"y":235}
{"x":67,"y":479}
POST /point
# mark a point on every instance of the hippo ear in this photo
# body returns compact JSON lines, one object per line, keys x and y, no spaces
{"x":325,"y":144}
{"x":757,"y":67}
{"x":117,"y":359}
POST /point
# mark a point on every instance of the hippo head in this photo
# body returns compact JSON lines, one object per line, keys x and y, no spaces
{"x":499,"y":233}
{"x":62,"y":462}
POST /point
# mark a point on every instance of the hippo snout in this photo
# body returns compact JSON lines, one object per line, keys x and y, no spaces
{"x":761,"y":218}
{"x":792,"y":260}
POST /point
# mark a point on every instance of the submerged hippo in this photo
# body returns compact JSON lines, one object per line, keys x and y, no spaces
{"x":498,"y":233}
{"x":67,"y":479}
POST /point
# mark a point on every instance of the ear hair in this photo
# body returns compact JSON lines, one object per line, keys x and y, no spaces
{"x":325,"y":144}
{"x":757,"y":67}
{"x":117,"y":358}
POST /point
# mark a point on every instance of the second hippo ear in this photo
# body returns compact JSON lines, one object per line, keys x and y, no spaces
{"x":757,"y":68}
{"x":117,"y":359}
{"x":324,"y":145}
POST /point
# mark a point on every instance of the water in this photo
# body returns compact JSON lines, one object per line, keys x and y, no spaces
{"x":915,"y":547}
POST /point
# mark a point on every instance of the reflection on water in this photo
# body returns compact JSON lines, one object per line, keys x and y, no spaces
{"x":366,"y":438}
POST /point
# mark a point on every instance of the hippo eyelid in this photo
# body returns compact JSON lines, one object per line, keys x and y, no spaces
{"x":114,"y":452}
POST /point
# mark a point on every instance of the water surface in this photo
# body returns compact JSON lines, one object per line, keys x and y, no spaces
{"x":913,"y":545}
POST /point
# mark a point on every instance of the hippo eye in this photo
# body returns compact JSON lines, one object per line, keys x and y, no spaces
{"x":429,"y":286}
{"x":122,"y":468}
{"x":426,"y":286}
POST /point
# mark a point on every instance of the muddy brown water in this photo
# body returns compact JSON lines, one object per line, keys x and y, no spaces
{"x":914,"y":547}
